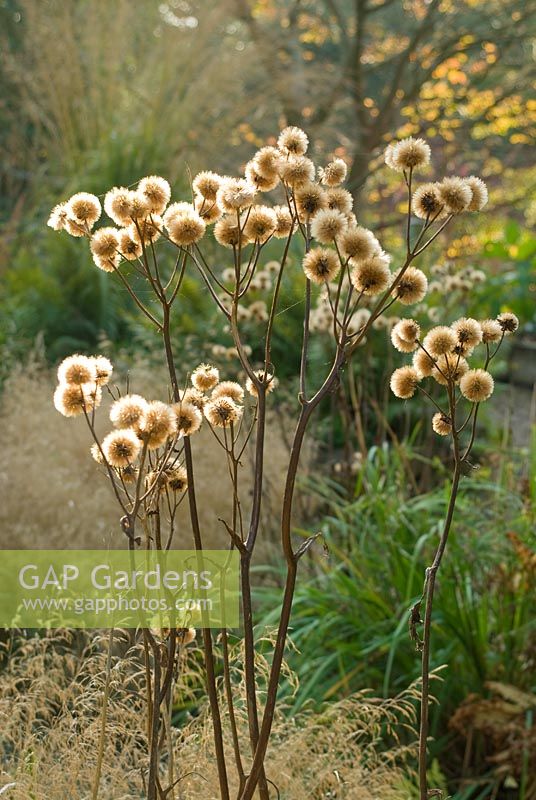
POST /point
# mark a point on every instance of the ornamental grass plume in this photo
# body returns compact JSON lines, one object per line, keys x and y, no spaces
{"x":284,"y":202}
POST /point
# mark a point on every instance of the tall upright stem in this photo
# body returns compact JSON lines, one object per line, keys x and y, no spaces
{"x":429,"y":586}
{"x":194,"y":517}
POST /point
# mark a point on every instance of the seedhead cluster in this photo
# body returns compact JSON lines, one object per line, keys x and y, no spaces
{"x":443,"y":354}
{"x":281,"y":200}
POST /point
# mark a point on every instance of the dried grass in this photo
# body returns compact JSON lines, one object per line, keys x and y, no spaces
{"x":120,"y":68}
{"x":55,"y":497}
{"x":50,"y":709}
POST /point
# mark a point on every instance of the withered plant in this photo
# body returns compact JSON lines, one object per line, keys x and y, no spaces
{"x":149,"y":456}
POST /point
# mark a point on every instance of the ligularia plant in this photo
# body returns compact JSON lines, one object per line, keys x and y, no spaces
{"x":149,"y":453}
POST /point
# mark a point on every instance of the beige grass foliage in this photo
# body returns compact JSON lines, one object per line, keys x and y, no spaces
{"x":50,"y":716}
{"x":55,"y":496}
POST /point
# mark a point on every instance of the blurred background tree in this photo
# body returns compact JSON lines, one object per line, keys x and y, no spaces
{"x":358,"y":72}
{"x":97,"y":94}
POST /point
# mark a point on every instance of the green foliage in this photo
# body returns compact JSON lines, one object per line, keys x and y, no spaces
{"x":510,"y":263}
{"x":350,"y":618}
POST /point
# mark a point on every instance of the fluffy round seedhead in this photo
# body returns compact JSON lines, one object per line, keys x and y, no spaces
{"x":340,"y":199}
{"x":427,"y":202}
{"x":309,"y":198}
{"x":243,"y":314}
{"x":509,"y":322}
{"x":480,"y":193}
{"x":129,"y":246}
{"x":334,"y":173}
{"x":260,"y":182}
{"x":107,"y":263}
{"x":358,"y":243}
{"x":491,"y":331}
{"x":450,"y":368}
{"x":58,"y":217}
{"x":293,"y":140}
{"x":157,"y":191}
{"x":408,"y":154}
{"x":408,"y":329}
{"x":96,"y":454}
{"x":328,"y":225}
{"x":404,"y":382}
{"x":205,"y":377}
{"x":129,"y":411}
{"x":267,"y":161}
{"x":261,"y":223}
{"x":456,"y":194}
{"x":477,"y":276}
{"x":185,"y":636}
{"x":401,"y":344}
{"x":235,"y":194}
{"x":195,"y":397}
{"x":129,"y":474}
{"x":358,"y":321}
{"x":71,"y":400}
{"x":105,"y":243}
{"x":227,"y":231}
{"x":222,"y":412}
{"x":207,"y":184}
{"x":321,"y":265}
{"x":441,"y":424}
{"x":404,"y":335}
{"x":297,"y":170}
{"x":139,"y":206}
{"x":372,"y":275}
{"x":177,"y":479}
{"x":412,"y":288}
{"x":189,"y":418}
{"x":388,"y":155}
{"x":270,"y":383}
{"x":229,"y":389}
{"x":208,"y":210}
{"x":121,"y":448}
{"x":477,"y":385}
{"x":283,"y":222}
{"x":157,"y":425}
{"x":117,"y":204}
{"x":77,"y":370}
{"x":423,"y":363}
{"x":186,"y":228}
{"x":175,"y":210}
{"x":84,"y":208}
{"x":263,"y":280}
{"x":147,"y":230}
{"x":259,"y":311}
{"x":468,"y":333}
{"x":103,"y":370}
{"x":439,"y":341}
